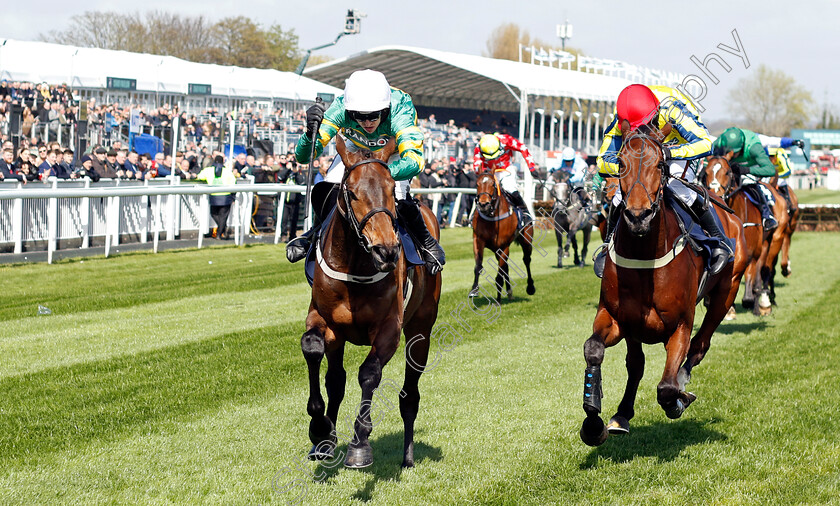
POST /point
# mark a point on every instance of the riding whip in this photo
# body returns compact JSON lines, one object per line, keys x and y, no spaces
{"x":309,"y":170}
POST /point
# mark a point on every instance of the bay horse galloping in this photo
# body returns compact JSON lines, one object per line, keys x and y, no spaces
{"x":719,"y":178}
{"x":494,"y":227}
{"x":793,"y":221}
{"x":359,"y":296}
{"x":650,"y":289}
{"x":570,"y":215}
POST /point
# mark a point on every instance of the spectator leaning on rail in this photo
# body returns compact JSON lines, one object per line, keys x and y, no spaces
{"x":746,"y":153}
{"x":653,"y":107}
{"x":494,"y":152}
{"x":368,"y":114}
{"x":219,"y":174}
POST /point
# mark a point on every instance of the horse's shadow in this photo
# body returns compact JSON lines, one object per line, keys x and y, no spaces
{"x":729,"y":328}
{"x":387,"y":462}
{"x":664,"y":440}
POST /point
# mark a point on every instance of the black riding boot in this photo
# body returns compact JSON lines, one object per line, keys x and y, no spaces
{"x":432,"y":253}
{"x":721,"y":254}
{"x":768,"y":221}
{"x":297,"y":248}
{"x":323,"y":202}
{"x":519,"y":202}
{"x":785,"y":191}
{"x":601,"y":258}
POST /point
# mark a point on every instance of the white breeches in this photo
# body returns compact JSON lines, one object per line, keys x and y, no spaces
{"x":507,"y":179}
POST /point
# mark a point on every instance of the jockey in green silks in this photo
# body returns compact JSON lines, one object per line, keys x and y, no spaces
{"x":369,"y":114}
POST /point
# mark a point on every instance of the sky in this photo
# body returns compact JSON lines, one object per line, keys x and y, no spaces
{"x":800,"y":38}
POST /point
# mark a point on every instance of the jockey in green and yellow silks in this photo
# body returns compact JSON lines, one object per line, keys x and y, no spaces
{"x":369,"y":114}
{"x":652,"y":107}
{"x":748,"y":156}
{"x":780,"y":159}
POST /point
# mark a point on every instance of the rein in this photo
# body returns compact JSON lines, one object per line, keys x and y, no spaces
{"x":350,"y":216}
{"x":494,"y":200}
{"x":661,"y":165}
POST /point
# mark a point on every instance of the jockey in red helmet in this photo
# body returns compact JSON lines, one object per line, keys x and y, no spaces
{"x":651,"y":107}
{"x":495,"y":152}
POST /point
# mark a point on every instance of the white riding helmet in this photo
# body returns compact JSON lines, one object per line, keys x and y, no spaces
{"x":367,"y":91}
{"x":568,"y":154}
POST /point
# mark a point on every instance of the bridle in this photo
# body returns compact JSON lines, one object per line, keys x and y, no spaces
{"x":350,"y":216}
{"x":661,"y":165}
{"x":730,"y":186}
{"x":494,"y":195}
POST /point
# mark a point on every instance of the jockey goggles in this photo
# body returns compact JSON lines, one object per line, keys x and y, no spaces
{"x":365,"y":116}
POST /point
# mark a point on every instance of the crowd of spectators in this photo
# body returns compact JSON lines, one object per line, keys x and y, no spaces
{"x":46,"y":108}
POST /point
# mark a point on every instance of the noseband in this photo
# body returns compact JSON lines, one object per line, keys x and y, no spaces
{"x":494,"y":195}
{"x":661,"y":165}
{"x":350,"y":216}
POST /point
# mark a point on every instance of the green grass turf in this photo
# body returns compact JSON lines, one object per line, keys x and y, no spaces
{"x":170,"y":379}
{"x":818,"y":196}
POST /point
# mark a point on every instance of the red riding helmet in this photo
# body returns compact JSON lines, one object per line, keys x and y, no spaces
{"x":637,"y":104}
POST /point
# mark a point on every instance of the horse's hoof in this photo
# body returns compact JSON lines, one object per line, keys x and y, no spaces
{"x":358,"y":458}
{"x":730,"y":315}
{"x":322,"y":451}
{"x":618,"y":425}
{"x":674,"y":411}
{"x":531,"y":289}
{"x":474,"y":292}
{"x":408,"y":463}
{"x":593,"y":432}
{"x":748,"y":303}
{"x":786,"y":270}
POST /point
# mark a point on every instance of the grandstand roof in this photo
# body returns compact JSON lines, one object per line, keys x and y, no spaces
{"x":443,"y":79}
{"x":82,"y":67}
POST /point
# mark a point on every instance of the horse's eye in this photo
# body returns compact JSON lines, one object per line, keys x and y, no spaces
{"x":352,"y":195}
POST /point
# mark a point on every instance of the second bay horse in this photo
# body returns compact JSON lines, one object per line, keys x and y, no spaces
{"x":650,"y":289}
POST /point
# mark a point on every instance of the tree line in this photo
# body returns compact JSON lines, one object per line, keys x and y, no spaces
{"x":238,"y":40}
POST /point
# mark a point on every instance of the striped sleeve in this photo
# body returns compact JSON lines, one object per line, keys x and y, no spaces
{"x":608,"y":155}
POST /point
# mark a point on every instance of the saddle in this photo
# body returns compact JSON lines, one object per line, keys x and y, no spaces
{"x":699,"y":240}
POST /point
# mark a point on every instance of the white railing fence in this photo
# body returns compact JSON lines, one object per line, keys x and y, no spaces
{"x":73,"y":212}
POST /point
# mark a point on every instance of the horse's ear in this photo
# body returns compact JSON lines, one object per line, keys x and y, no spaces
{"x":625,"y":127}
{"x":666,"y":130}
{"x":729,"y":155}
{"x":341,"y":148}
{"x":385,"y":153}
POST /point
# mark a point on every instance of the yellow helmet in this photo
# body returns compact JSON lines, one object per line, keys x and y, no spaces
{"x":490,"y":147}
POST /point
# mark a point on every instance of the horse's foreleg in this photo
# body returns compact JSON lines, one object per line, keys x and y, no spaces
{"x":786,"y":254}
{"x":559,"y":235}
{"x":573,"y":240}
{"x":635,"y":363}
{"x":385,"y":343}
{"x":416,"y":356}
{"x":336,"y":380}
{"x":478,"y":253}
{"x":587,"y":235}
{"x":668,"y":392}
{"x":321,"y":428}
{"x":527,"y":248}
{"x":502,"y":276}
{"x":605,"y":333}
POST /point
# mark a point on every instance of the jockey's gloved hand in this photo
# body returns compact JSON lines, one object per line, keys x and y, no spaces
{"x":314,"y":116}
{"x":799,"y":142}
{"x":740,"y":169}
{"x":597,"y":181}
